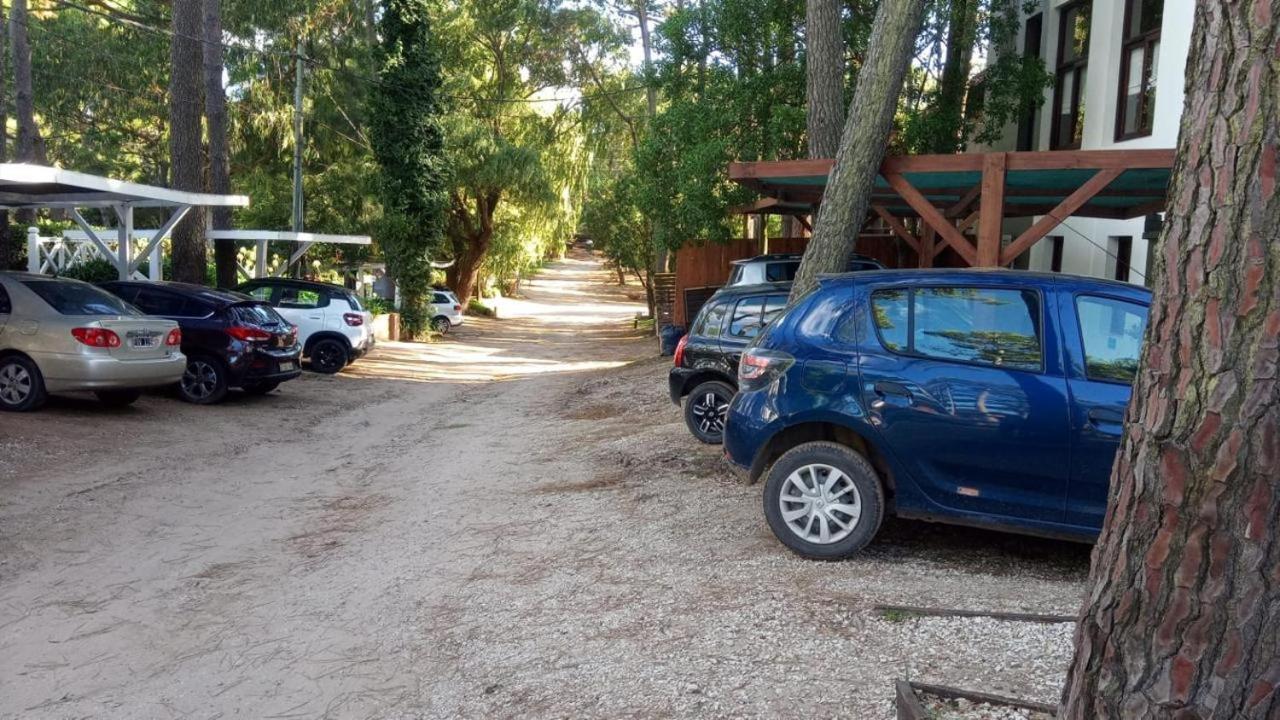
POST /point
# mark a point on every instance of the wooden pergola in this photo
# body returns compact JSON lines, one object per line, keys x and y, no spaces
{"x":952,"y":195}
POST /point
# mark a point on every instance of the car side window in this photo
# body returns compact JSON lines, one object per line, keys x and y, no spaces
{"x":261,"y":292}
{"x":747,"y":315}
{"x":889,"y":310}
{"x":989,"y":326}
{"x":439,"y":299}
{"x":1112,"y":332}
{"x":5,"y":307}
{"x":303,"y":298}
{"x":773,"y":307}
{"x":156,"y":302}
{"x":781,"y":271}
{"x":712,"y":320}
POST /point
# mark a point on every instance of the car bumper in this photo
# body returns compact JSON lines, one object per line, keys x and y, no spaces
{"x":68,"y":373}
{"x":363,"y":347}
{"x":744,"y":430}
{"x":677,"y":380}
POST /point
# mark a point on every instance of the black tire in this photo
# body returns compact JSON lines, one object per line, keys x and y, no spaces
{"x":855,"y":474}
{"x":441,"y":324}
{"x":705,"y":408}
{"x":328,"y":356}
{"x":204,"y":382}
{"x":21,"y":385}
{"x":260,"y":388}
{"x":118,"y":398}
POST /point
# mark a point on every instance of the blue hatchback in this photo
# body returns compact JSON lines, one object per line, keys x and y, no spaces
{"x":992,"y":398}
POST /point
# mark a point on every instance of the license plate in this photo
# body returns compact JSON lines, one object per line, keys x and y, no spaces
{"x":144,"y":342}
{"x":286,"y":366}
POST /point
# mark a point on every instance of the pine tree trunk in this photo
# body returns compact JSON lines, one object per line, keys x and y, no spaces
{"x":186,"y":61}
{"x":9,"y":250}
{"x":27,"y":144}
{"x":948,"y":110}
{"x":862,"y":145}
{"x":824,"y":76}
{"x":1182,"y":613}
{"x":215,"y":110}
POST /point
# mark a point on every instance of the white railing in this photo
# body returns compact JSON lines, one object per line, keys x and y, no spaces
{"x":56,"y":255}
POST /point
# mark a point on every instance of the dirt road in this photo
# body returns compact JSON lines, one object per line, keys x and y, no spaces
{"x":512,"y":523}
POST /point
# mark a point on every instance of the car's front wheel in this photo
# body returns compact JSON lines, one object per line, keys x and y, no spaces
{"x":21,"y":385}
{"x":823,"y":500}
{"x":204,"y":382}
{"x":705,"y":410}
{"x":328,"y":356}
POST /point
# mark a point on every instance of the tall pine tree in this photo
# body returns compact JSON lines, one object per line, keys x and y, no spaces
{"x":408,"y":142}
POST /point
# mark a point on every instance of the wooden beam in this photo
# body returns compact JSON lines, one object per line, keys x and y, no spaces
{"x":898,"y":228}
{"x":1092,"y":159}
{"x":933,"y":217}
{"x":964,"y":202}
{"x":779,"y":168}
{"x":961,"y":162}
{"x":991,"y":210}
{"x":1154,"y":206}
{"x":1055,"y":217}
{"x":804,"y":223}
{"x":968,"y":221}
{"x":928,"y":247}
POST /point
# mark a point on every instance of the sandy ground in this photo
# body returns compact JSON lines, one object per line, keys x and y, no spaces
{"x":511,"y":523}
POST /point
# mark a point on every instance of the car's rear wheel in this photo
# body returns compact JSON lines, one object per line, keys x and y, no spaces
{"x":260,"y":388}
{"x":823,"y":500}
{"x":705,"y":410}
{"x":204,"y":382}
{"x":118,"y":398}
{"x":21,"y":385}
{"x":441,"y":324}
{"x":328,"y":356}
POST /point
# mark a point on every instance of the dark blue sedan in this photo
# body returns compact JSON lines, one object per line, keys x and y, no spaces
{"x":991,"y":398}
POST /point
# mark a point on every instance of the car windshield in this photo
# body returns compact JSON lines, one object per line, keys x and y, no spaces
{"x":256,"y":313}
{"x":77,"y":298}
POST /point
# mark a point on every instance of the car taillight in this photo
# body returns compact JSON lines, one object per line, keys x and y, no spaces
{"x":353,"y":319}
{"x":248,"y":334}
{"x":760,"y":367}
{"x":174,"y":338}
{"x":679,"y":358}
{"x":96,"y":337}
{"x":457,"y":308}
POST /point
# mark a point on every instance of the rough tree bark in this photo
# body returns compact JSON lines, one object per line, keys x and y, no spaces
{"x":862,"y":145}
{"x":8,"y":249}
{"x":186,"y":61}
{"x":1182,"y":614}
{"x":824,"y":76}
{"x":215,"y":110}
{"x":471,"y":234}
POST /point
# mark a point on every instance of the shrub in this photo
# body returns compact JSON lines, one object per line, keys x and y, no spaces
{"x":475,"y":307}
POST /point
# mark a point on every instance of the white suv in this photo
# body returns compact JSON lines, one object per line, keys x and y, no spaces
{"x":446,"y":310}
{"x":333,"y":325}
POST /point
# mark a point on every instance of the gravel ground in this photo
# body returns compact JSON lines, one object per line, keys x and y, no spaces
{"x":513,"y":523}
{"x":945,"y":709}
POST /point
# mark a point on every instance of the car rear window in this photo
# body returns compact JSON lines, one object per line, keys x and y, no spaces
{"x":77,"y":298}
{"x":710,"y":320}
{"x":781,"y":271}
{"x":256,"y":313}
{"x":354,"y":301}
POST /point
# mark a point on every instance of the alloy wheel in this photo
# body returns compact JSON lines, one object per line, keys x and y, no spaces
{"x":200,"y":380}
{"x":709,"y":409}
{"x":820,"y":504}
{"x":327,"y":357}
{"x":15,"y":384}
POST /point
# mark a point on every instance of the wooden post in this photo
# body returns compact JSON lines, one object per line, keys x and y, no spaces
{"x":991,"y":218}
{"x":927,"y":250}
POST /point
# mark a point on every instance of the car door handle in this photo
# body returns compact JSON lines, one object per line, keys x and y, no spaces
{"x":884,"y":387}
{"x":1105,"y":416}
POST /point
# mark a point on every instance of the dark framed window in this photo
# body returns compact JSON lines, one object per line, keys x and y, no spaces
{"x":711,"y":319}
{"x":1111,"y":331}
{"x":1124,"y":257}
{"x":976,"y":325}
{"x":1032,"y":32}
{"x":1055,"y":263}
{"x":1139,"y":63}
{"x":5,"y":308}
{"x":747,"y":318}
{"x":1071,"y":74}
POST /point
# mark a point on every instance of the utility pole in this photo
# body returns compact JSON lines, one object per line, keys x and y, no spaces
{"x":297,"y":148}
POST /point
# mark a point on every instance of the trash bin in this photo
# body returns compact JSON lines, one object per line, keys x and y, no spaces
{"x":670,"y":337}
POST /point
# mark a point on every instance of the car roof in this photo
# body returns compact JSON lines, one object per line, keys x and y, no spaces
{"x":971,"y":275}
{"x":21,"y":275}
{"x":772,"y":288}
{"x":295,"y":282}
{"x":191,"y":290}
{"x":767,"y":258}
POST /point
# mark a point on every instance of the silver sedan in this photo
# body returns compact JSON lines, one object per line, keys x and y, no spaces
{"x":59,"y":335}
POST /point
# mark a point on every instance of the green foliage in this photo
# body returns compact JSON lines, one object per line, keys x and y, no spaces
{"x":475,"y":307}
{"x":378,"y":305}
{"x":93,"y":270}
{"x":408,"y":142}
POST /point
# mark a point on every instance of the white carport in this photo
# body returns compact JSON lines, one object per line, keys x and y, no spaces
{"x":259,"y":238}
{"x":36,"y":186}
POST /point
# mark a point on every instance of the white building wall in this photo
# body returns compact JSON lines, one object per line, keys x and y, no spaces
{"x":1090,"y":256}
